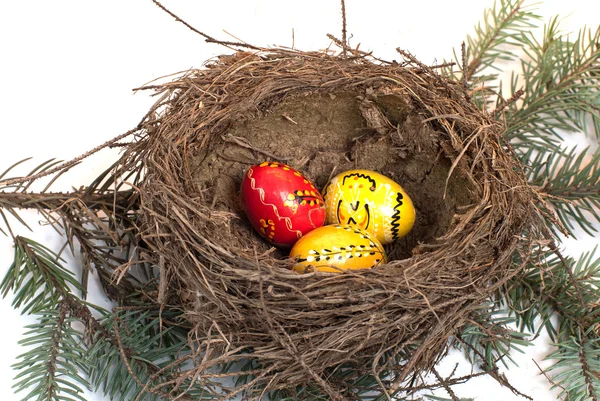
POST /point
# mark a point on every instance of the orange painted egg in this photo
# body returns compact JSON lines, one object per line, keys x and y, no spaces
{"x":335,"y":248}
{"x":371,"y":201}
{"x":281,"y":204}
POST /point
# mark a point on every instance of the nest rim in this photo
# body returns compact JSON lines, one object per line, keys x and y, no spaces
{"x":397,"y":317}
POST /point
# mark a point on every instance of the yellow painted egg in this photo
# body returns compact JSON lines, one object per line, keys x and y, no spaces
{"x":371,"y":201}
{"x":337,"y":247}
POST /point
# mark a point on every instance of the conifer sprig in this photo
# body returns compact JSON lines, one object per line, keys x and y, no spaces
{"x":37,"y":278}
{"x":561,"y":79}
{"x":571,"y":181}
{"x":494,"y":39}
{"x":497,"y":38}
{"x":576,"y":368}
{"x":559,"y":76}
{"x":488,"y":340}
{"x":55,"y":368}
{"x":547,"y":290}
{"x":126,"y":362}
{"x":138,"y":352}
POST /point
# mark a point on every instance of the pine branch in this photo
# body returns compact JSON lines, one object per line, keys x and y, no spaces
{"x":52,"y":201}
{"x":561,"y":86}
{"x":90,"y":217}
{"x":436,"y":398}
{"x":495,"y":39}
{"x":43,"y":286}
{"x":495,"y":36}
{"x":7,"y":207}
{"x":37,"y":277}
{"x":560,"y":76}
{"x":566,"y":289}
{"x":142,"y":362}
{"x":22,"y":183}
{"x":52,"y":371}
{"x":110,"y":193}
{"x":577,"y":368}
{"x":60,"y":167}
{"x":571,"y":182}
{"x":546,"y":289}
{"x":487,"y":340}
{"x":107,"y":244}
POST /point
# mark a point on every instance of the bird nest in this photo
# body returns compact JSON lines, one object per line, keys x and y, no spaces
{"x":323,"y":114}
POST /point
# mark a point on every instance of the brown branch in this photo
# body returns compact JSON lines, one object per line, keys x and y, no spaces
{"x":165,"y":9}
{"x":443,"y":65}
{"x":54,"y":200}
{"x":463,"y":52}
{"x":586,"y":369}
{"x":449,"y":382}
{"x":67,"y":165}
{"x":344,"y":33}
{"x":412,"y":59}
{"x":359,"y":54}
{"x":209,"y":39}
{"x":445,"y":384}
{"x":494,"y":372}
{"x":505,"y":103}
{"x":55,"y":349}
{"x":543,"y":372}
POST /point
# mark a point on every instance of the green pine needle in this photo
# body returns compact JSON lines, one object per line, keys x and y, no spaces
{"x":495,"y":37}
{"x":37,"y":277}
{"x":572,"y":183}
{"x":560,"y":77}
{"x":54,"y":369}
{"x":488,"y":340}
{"x":546,"y":289}
{"x":576,"y":368}
{"x":561,"y":80}
{"x":148,"y":350}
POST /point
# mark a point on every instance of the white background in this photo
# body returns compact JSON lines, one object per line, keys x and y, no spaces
{"x":67,"y":68}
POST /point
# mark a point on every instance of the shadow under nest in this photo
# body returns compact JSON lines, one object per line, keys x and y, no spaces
{"x":323,"y":114}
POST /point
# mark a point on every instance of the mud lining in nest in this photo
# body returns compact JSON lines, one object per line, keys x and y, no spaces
{"x":323,"y":114}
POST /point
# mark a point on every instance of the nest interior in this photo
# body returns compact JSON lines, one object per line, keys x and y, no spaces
{"x":323,"y":114}
{"x":323,"y":134}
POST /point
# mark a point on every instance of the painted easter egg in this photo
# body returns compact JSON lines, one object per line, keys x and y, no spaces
{"x":281,"y":204}
{"x":337,"y":247}
{"x":371,"y":201}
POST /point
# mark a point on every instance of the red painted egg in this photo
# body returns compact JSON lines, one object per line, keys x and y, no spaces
{"x":281,"y":204}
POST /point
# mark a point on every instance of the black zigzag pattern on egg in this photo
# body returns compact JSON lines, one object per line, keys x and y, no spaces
{"x":396,"y":216}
